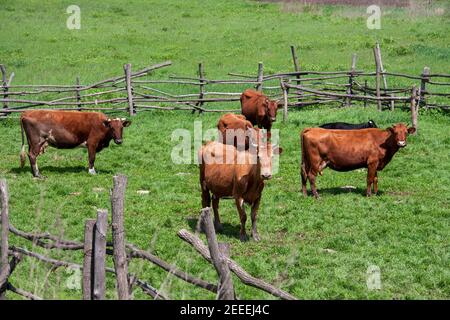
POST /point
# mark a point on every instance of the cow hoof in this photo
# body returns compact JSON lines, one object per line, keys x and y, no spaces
{"x":92,"y":171}
{"x":256,"y":237}
{"x":243,"y":237}
{"x":39,"y":177}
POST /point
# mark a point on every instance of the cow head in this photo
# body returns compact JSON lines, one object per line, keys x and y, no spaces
{"x":400,"y":131}
{"x":271,"y":109}
{"x":116,"y":128}
{"x":265,"y":152}
{"x":371,"y":124}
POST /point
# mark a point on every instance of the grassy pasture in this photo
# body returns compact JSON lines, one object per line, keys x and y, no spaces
{"x":313,"y":249}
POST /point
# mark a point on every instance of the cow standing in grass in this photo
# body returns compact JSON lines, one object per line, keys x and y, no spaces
{"x":346,"y":150}
{"x":226,"y":171}
{"x":236,"y":130}
{"x":258,"y":109}
{"x":68,"y":130}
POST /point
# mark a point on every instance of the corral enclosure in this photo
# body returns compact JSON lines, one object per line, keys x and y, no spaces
{"x":312,"y":249}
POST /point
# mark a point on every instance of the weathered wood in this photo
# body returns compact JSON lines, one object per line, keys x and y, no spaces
{"x":414,"y":108}
{"x":4,"y":86}
{"x":77,"y":93}
{"x":246,"y":278}
{"x":296,"y":69}
{"x":350,"y":81}
{"x":100,"y":254}
{"x":378,"y":77}
{"x":365,"y":93}
{"x":423,"y":83}
{"x":201,"y":75}
{"x":226,"y":290}
{"x":118,"y":231}
{"x":127,"y":69}
{"x":4,"y":278}
{"x":260,"y":79}
{"x":285,"y":101}
{"x":23,"y":293}
{"x":4,"y":264}
{"x":88,"y":266}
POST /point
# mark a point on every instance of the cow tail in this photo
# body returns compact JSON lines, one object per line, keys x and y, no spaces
{"x":22,"y":152}
{"x":304,"y":167}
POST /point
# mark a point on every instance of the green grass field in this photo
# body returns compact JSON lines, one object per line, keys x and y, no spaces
{"x":312,"y":249}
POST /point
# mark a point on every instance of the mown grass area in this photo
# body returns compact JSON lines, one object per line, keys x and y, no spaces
{"x":404,"y":231}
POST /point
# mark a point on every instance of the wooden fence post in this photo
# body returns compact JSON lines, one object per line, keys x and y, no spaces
{"x":100,"y":254}
{"x":350,"y":80}
{"x":425,"y":79}
{"x":225,"y":289}
{"x":201,"y":75}
{"x":118,"y":231}
{"x":259,"y":86}
{"x":88,"y":262}
{"x":127,"y":69}
{"x":285,"y":100}
{"x":5,"y":86}
{"x":365,"y":93}
{"x":378,"y":77}
{"x":414,"y":108}
{"x":4,"y":264}
{"x":78,"y":93}
{"x":296,"y":69}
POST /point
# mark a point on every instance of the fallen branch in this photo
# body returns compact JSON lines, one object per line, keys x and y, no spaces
{"x":245,"y":277}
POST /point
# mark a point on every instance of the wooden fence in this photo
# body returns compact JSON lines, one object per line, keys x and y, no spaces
{"x":132,"y":93}
{"x":96,"y":247}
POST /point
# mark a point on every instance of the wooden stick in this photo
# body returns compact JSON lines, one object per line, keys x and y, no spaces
{"x":414,"y":108}
{"x":226,"y":290}
{"x":423,"y":83}
{"x":4,"y":278}
{"x":5,"y":86}
{"x":78,"y":93}
{"x":23,"y":293}
{"x":127,"y":69}
{"x":100,"y":254}
{"x":285,"y":101}
{"x":88,"y":266}
{"x":350,"y":81}
{"x":378,"y":76}
{"x":4,"y":264}
{"x":246,"y":278}
{"x":296,"y":69}
{"x":118,"y":230}
{"x":260,"y":78}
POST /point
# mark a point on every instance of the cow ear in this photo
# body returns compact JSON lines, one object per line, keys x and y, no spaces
{"x":411,"y":130}
{"x":106,"y":123}
{"x":126,"y":123}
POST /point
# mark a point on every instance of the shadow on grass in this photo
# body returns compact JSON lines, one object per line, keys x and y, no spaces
{"x":342,"y":190}
{"x":229,"y":230}
{"x":60,"y":170}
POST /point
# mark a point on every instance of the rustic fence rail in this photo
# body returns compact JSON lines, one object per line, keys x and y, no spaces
{"x":96,"y":247}
{"x":133,"y":93}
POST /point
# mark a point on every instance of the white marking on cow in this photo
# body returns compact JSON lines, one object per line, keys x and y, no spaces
{"x":83,"y":145}
{"x":92,"y":171}
{"x":402,"y":143}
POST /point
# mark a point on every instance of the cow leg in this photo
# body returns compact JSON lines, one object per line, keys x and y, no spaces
{"x":375,"y":183}
{"x":312,"y":182}
{"x":33,"y":152}
{"x":371,"y":174}
{"x":255,"y":208}
{"x":92,"y":151}
{"x":243,"y":217}
{"x":304,"y":179}
{"x":215,"y":203}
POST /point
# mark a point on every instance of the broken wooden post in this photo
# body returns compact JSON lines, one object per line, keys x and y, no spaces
{"x":127,"y":69}
{"x":225,"y":289}
{"x":88,"y":262}
{"x":5,"y":86}
{"x":378,"y":77}
{"x":118,"y":231}
{"x":260,"y":78}
{"x":350,"y":80}
{"x":296,"y":69}
{"x":414,"y":108}
{"x":100,"y":254}
{"x":425,"y":79}
{"x":4,"y":264}
{"x":285,"y":100}
{"x":78,"y":93}
{"x":365,"y":93}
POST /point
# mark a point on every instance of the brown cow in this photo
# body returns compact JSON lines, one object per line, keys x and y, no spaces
{"x":346,"y":150}
{"x":67,"y":130}
{"x":258,"y":109}
{"x":227,"y":172}
{"x":235,"y":129}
